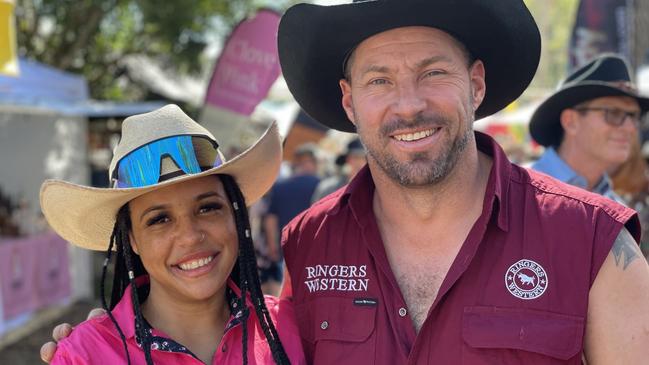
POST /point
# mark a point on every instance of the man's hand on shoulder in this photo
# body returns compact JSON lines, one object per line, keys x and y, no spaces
{"x":60,"y":332}
{"x":617,"y":329}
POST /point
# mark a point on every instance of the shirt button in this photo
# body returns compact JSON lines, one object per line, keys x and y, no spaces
{"x":324,"y":325}
{"x":224,"y":348}
{"x":402,"y":312}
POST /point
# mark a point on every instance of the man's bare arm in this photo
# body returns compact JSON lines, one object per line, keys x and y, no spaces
{"x":286,"y":292}
{"x":271,"y":228}
{"x":617,"y":329}
{"x":60,"y":332}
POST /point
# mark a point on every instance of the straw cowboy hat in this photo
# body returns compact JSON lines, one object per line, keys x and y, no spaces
{"x":85,"y":216}
{"x":314,"y":41}
{"x":606,"y":75}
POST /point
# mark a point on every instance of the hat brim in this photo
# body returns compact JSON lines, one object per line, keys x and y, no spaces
{"x":314,"y":40}
{"x":545,"y":124}
{"x":85,"y":216}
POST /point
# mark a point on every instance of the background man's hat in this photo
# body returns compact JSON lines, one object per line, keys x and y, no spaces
{"x":315,"y":40}
{"x":85,"y":216}
{"x":354,"y":148}
{"x":606,"y":75}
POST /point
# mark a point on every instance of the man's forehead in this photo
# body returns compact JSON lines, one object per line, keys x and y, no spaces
{"x":618,"y":101}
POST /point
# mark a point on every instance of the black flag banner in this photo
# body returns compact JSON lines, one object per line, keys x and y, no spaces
{"x":601,"y":26}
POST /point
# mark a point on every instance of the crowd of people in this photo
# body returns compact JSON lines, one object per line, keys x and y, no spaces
{"x":435,"y":250}
{"x":309,"y":179}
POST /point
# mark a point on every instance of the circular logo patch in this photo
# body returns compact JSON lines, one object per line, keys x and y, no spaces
{"x":526,"y":279}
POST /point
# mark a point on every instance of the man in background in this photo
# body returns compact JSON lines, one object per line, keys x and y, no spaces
{"x":288,"y":198}
{"x":348,"y":164}
{"x":589,"y":124}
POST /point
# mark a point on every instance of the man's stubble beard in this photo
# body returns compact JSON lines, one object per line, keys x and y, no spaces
{"x":420,"y":170}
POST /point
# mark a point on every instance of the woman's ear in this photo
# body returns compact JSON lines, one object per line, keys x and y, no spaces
{"x":133,"y":243}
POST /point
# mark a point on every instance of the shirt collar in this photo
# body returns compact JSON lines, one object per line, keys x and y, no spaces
{"x":604,"y":186}
{"x":125,"y":316}
{"x":360,"y":190}
{"x":552,"y":164}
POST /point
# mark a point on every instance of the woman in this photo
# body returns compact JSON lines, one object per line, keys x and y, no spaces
{"x":185,"y":287}
{"x":631,"y":182}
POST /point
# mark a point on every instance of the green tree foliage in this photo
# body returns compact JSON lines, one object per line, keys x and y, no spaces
{"x":90,"y":37}
{"x":555,"y":19}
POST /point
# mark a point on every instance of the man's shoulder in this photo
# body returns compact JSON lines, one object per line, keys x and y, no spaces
{"x":332,"y":182}
{"x":321,"y":208}
{"x":304,"y":179}
{"x":553,"y":193}
{"x":280,"y":309}
{"x":316,"y":213}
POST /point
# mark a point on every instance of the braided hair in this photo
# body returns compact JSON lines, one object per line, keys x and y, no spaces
{"x":128,"y":266}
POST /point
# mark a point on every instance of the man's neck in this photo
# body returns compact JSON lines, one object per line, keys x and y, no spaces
{"x":585,"y":166}
{"x":447,"y":200}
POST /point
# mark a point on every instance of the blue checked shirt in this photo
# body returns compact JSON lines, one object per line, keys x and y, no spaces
{"x":551,"y":164}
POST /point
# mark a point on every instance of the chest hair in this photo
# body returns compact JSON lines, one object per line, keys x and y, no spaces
{"x":420,"y":273}
{"x":419,"y":287}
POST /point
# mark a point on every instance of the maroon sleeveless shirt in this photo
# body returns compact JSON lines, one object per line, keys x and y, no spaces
{"x":517,"y":292}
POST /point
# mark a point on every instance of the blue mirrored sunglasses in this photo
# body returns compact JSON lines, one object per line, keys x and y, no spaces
{"x":143,"y":166}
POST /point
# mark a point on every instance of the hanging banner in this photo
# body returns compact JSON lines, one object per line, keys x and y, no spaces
{"x":600,"y":26}
{"x":53,"y":274}
{"x":34,"y":273}
{"x":8,"y":57}
{"x":18,"y":264}
{"x":243,"y":75}
{"x":248,"y":65}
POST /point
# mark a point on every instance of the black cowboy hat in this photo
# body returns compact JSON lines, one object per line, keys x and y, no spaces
{"x":606,"y":75}
{"x":354,"y":147}
{"x":314,"y":41}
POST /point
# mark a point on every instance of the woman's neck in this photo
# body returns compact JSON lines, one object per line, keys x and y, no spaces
{"x":197,"y":325}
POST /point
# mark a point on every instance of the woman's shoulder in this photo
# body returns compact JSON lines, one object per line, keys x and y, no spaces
{"x":283,"y":316}
{"x":279,"y":308}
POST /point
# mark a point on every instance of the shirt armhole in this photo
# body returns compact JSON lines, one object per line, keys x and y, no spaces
{"x":605,"y":235}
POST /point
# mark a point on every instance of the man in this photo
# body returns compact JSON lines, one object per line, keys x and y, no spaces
{"x":288,"y":198}
{"x":348,"y":165}
{"x":589,"y":124}
{"x":440,"y":251}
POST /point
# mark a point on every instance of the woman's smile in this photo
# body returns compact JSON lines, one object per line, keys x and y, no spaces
{"x":196,"y":265}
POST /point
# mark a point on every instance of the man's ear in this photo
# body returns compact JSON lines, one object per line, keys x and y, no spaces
{"x":478,"y":84}
{"x":347,"y":102}
{"x":569,"y":121}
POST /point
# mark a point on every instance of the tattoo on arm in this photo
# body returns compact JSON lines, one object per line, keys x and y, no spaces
{"x":625,"y":249}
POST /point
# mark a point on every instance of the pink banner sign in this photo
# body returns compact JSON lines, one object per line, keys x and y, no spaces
{"x":17,"y":269}
{"x":248,"y":65}
{"x":53,"y":273}
{"x":34,"y":273}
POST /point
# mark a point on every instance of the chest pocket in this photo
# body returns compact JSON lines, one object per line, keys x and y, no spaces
{"x":337,"y":331}
{"x":496,"y":335}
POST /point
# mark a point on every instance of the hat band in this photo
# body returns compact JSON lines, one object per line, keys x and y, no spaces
{"x":144,"y":166}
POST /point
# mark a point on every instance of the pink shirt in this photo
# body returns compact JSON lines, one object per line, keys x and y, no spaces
{"x":517,"y":292}
{"x":96,"y":341}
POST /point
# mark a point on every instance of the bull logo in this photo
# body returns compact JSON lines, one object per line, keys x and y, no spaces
{"x":526,"y":279}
